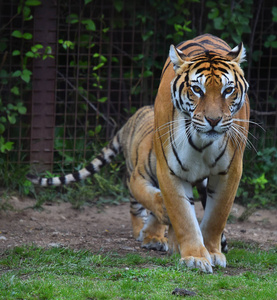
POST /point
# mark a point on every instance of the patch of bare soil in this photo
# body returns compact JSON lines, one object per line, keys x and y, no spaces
{"x":108,"y":229}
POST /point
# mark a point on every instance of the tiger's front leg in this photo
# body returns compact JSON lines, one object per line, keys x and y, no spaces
{"x":221,"y":193}
{"x":177,"y":194}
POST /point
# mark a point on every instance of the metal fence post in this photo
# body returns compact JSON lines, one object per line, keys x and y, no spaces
{"x":43,"y":94}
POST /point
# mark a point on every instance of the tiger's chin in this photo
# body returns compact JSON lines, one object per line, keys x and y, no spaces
{"x":213,"y":135}
{"x":210,"y":136}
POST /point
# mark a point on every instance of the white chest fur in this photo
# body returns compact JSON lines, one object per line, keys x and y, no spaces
{"x":194,"y":159}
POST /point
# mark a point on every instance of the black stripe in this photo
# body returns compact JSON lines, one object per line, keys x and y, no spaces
{"x":112,"y":147}
{"x":102,"y":159}
{"x":195,"y":147}
{"x":90,"y":168}
{"x":175,"y":83}
{"x":191,"y":45}
{"x":137,"y":211}
{"x":176,"y":155}
{"x":139,"y":171}
{"x":150,"y":171}
{"x":160,"y":138}
{"x":222,"y":70}
{"x":153,"y":180}
{"x":181,"y":87}
{"x":210,"y":191}
{"x":165,"y":69}
{"x":196,"y":65}
{"x":49,"y":181}
{"x":227,"y":170}
{"x":40,"y":180}
{"x":76,"y":176}
{"x":145,"y":133}
{"x":201,"y":70}
{"x":221,"y":154}
{"x":62,"y":179}
{"x":191,"y":200}
{"x":208,"y":42}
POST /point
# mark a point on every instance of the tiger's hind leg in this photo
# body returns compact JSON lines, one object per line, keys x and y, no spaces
{"x":153,"y":234}
{"x":138,"y":217}
{"x":145,"y":195}
{"x":146,"y":227}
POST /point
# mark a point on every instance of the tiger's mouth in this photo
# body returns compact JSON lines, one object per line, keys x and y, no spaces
{"x":211,"y":134}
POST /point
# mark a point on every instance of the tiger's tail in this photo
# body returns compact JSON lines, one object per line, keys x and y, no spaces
{"x":104,"y":157}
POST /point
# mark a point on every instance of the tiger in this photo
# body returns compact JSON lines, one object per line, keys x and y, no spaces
{"x":194,"y":136}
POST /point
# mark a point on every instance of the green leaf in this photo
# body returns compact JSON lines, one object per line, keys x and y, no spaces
{"x":15,"y":90}
{"x":118,"y":4}
{"x":2,"y":128}
{"x":98,"y":128}
{"x":6,"y":147}
{"x":148,"y":34}
{"x":12,"y":118}
{"x":10,"y":106}
{"x":17,"y":34}
{"x":26,"y":13}
{"x":16,"y":73}
{"x":27,"y":36}
{"x":22,"y":110}
{"x":26,"y":75}
{"x":72,"y":19}
{"x":33,"y":2}
{"x":3,"y":46}
{"x":213,"y":13}
{"x":87,"y":1}
{"x":103,"y":99}
{"x":147,"y":73}
{"x":211,"y":4}
{"x":30,"y":54}
{"x":15,"y":52}
{"x":98,"y":66}
{"x":274,"y":14}
{"x":218,"y":23}
{"x":36,"y":47}
{"x":90,"y":25}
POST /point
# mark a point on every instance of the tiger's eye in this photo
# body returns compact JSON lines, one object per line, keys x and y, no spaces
{"x":228,"y":90}
{"x":196,"y":89}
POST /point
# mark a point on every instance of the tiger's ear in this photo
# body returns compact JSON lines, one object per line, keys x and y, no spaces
{"x":177,"y":57}
{"x":238,"y":54}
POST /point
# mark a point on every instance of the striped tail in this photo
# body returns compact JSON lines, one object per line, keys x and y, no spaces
{"x":105,"y":157}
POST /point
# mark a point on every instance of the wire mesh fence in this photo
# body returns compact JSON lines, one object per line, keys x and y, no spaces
{"x":105,"y":62}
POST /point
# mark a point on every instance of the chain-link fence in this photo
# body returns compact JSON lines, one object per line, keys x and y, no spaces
{"x":96,"y":62}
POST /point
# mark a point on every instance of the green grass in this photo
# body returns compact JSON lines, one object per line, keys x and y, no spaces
{"x":59,"y":273}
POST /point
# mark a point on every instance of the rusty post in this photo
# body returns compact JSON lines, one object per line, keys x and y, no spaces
{"x":43,"y":94}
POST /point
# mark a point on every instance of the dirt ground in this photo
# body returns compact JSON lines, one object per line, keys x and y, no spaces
{"x":109,"y":228}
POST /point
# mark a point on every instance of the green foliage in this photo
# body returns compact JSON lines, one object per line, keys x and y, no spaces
{"x":259,"y":182}
{"x":13,"y":178}
{"x":19,"y":78}
{"x":230,"y":20}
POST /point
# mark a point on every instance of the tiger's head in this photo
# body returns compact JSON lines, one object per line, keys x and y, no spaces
{"x":209,"y":89}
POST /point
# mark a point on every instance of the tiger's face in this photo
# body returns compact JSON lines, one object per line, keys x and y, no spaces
{"x":208,"y":90}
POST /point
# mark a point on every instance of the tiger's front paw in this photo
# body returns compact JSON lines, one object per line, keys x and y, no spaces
{"x":218,"y":259}
{"x":200,"y":263}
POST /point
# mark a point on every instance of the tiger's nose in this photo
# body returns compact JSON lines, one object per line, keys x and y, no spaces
{"x":213,"y":121}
